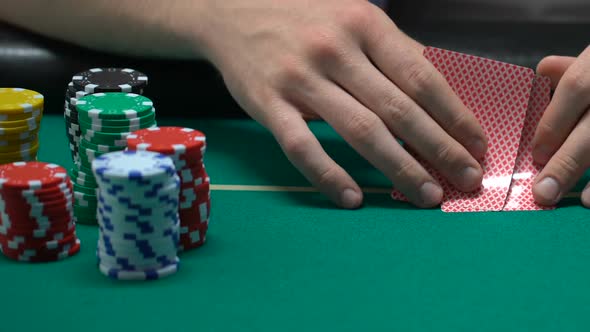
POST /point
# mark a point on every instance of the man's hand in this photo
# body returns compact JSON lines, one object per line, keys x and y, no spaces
{"x":562,"y":140}
{"x":346,"y":62}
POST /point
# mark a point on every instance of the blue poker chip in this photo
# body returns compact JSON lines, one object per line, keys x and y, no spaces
{"x":133,"y":167}
{"x":126,"y":263}
{"x":138,"y":201}
{"x":132,"y":275}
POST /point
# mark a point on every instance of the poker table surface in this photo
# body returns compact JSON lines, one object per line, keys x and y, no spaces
{"x":280,"y":257}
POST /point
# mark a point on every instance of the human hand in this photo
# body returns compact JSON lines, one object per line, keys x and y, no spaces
{"x":562,"y":139}
{"x":346,"y":62}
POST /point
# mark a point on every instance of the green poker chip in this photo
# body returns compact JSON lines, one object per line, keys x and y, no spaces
{"x":84,"y":189}
{"x":83,"y":180}
{"x":113,"y":139}
{"x":85,"y":126}
{"x":105,"y":148}
{"x":150,"y":117}
{"x":113,"y":105}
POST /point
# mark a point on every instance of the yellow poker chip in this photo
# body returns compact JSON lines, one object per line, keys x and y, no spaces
{"x":30,"y":152}
{"x":19,"y":139}
{"x":32,"y":123}
{"x":19,"y":101}
{"x":18,"y":130}
{"x":16,"y":138}
{"x":22,"y":116}
{"x":19,"y":146}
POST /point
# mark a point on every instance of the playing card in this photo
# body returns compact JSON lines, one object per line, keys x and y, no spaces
{"x":520,"y":195}
{"x":498,"y":94}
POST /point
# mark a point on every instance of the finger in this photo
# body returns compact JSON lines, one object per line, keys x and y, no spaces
{"x":305,"y":152}
{"x":554,"y":67}
{"x":586,"y":196}
{"x":566,"y":167}
{"x":403,"y":63}
{"x":369,"y":136}
{"x":570,"y":101}
{"x":408,"y":121}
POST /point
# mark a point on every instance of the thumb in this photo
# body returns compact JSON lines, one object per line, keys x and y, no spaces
{"x":554,"y":67}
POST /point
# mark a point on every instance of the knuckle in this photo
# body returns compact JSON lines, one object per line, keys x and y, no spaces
{"x":459,"y":123}
{"x":291,"y":72}
{"x":356,"y":14}
{"x":444,"y":154}
{"x":296,"y":145}
{"x":420,"y":76}
{"x":545,"y":129}
{"x":327,"y":176}
{"x":405,"y":171}
{"x":577,"y":82}
{"x":361,"y":126}
{"x":398,"y":107}
{"x":322,"y":44}
{"x":567,"y":164}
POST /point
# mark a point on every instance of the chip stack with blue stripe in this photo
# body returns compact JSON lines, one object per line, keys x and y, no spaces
{"x":138,"y":201}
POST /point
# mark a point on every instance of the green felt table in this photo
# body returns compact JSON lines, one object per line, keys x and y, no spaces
{"x":290,"y":261}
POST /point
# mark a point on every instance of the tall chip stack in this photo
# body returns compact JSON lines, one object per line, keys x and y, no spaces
{"x":105,"y":120}
{"x":93,"y":81}
{"x":36,"y":219}
{"x":137,"y":215}
{"x":186,"y":147}
{"x":21,"y":111}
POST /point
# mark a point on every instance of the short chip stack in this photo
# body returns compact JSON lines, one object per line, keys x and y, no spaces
{"x":36,"y":220}
{"x":93,"y":81}
{"x":137,"y":215}
{"x":105,"y":120}
{"x":20,"y":119}
{"x":186,"y":147}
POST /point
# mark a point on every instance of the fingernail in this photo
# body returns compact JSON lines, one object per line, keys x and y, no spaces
{"x":431,"y":194}
{"x":350,"y":199}
{"x":542,"y":154}
{"x":478,"y":148}
{"x":471,"y":178}
{"x":548,"y":189}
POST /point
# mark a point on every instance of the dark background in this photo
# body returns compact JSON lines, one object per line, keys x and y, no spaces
{"x":196,"y":88}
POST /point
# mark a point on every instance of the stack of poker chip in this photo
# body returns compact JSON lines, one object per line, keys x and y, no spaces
{"x":20,"y":118}
{"x":105,"y":120}
{"x":137,"y":215}
{"x":36,"y":219}
{"x":186,"y":147}
{"x":93,"y":81}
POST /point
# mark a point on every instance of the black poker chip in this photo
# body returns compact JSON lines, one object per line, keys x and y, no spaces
{"x":110,"y":80}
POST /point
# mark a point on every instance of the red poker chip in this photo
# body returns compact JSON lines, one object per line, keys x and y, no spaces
{"x":188,"y":162}
{"x":202,"y":226}
{"x":27,"y":213}
{"x":167,"y":140}
{"x":194,"y":237}
{"x":191,"y":175}
{"x":48,"y":204}
{"x":47,"y":255}
{"x":54,"y":189}
{"x":40,"y":247}
{"x":40,"y":234}
{"x":30,"y":175}
{"x":26,"y":222}
{"x":32,"y":224}
{"x":194,"y":197}
{"x":49,"y":241}
{"x":47,"y":196}
{"x":192,"y":216}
